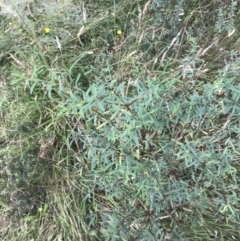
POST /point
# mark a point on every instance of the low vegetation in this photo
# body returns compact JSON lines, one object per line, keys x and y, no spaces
{"x":119,"y":120}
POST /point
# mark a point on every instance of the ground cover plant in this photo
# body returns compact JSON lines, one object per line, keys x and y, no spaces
{"x":119,"y":120}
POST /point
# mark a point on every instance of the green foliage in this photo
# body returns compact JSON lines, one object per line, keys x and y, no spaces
{"x":168,"y":151}
{"x":130,"y":136}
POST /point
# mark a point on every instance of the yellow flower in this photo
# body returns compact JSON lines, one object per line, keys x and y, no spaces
{"x":119,"y":32}
{"x":10,"y":23}
{"x":47,"y":30}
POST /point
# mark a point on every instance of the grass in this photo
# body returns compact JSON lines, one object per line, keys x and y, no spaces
{"x":119,"y":121}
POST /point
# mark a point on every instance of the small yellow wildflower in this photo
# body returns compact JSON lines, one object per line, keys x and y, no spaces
{"x":10,"y":23}
{"x":119,"y":32}
{"x":47,"y":30}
